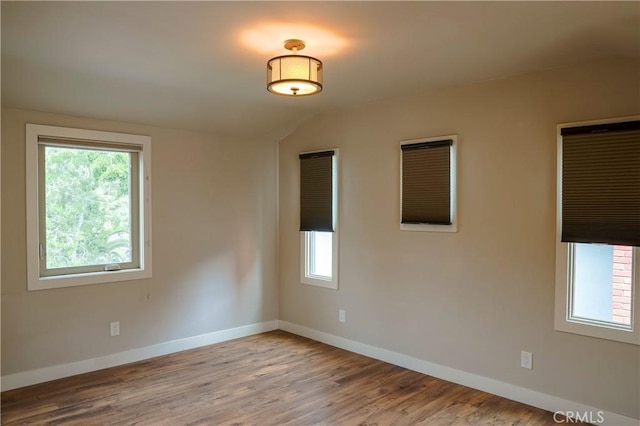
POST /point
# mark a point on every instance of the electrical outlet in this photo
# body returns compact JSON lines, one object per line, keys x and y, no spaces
{"x":526,"y":360}
{"x":115,"y":328}
{"x":342,"y":315}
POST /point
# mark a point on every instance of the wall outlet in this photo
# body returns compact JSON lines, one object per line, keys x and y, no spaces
{"x":115,"y":328}
{"x":342,"y":315}
{"x":526,"y":360}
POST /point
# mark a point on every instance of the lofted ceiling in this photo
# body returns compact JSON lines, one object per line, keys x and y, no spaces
{"x":202,"y":65}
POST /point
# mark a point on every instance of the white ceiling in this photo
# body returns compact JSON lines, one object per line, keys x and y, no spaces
{"x":202,"y":65}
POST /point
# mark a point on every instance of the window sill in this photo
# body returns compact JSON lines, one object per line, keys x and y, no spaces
{"x":425,"y":227}
{"x":319,"y":282}
{"x":598,"y":331}
{"x":46,"y":283}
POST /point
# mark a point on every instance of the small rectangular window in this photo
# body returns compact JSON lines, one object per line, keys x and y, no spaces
{"x":319,"y":250}
{"x":598,"y":229}
{"x":90,"y":208}
{"x":88,"y":216}
{"x":428,"y":184}
{"x":318,"y":219}
{"x":601,"y":284}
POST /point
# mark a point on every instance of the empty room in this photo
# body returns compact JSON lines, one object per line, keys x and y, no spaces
{"x":320,"y":213}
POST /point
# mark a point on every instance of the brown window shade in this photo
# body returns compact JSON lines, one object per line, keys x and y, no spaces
{"x":316,"y":191}
{"x":426,"y":182}
{"x":601,"y":184}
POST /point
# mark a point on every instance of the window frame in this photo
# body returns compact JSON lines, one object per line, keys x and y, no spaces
{"x":39,"y":278}
{"x":305,"y":276}
{"x":425,"y":227}
{"x":563,"y":318}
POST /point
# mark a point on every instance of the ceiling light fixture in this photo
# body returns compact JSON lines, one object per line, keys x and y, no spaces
{"x":294,"y":75}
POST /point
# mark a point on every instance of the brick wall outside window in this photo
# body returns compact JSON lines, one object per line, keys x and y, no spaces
{"x":621,"y":300}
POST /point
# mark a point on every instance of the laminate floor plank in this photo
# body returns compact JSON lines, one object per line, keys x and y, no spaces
{"x":274,"y":378}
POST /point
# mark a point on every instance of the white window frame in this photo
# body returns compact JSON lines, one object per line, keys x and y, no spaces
{"x":35,"y":280}
{"x":563,"y":319}
{"x":425,"y":227}
{"x":305,"y":276}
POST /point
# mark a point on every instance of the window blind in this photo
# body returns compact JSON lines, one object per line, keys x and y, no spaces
{"x":601,"y":184}
{"x":88,"y":144}
{"x":426,"y":182}
{"x":316,"y":191}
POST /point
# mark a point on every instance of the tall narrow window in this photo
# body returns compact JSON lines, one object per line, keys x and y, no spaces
{"x":318,"y":219}
{"x":428,"y":184}
{"x":88,"y":221}
{"x":599,"y":229}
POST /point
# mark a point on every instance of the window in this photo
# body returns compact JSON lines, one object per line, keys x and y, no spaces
{"x":428,"y":184}
{"x":598,"y":229}
{"x":88,"y":207}
{"x":318,"y":218}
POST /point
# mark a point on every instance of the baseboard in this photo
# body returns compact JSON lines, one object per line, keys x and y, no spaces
{"x":40,"y":375}
{"x":495,"y":387}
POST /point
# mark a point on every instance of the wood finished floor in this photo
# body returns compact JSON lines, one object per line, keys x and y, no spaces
{"x":273,"y":378}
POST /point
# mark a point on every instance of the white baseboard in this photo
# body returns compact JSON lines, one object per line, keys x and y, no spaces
{"x":31,"y":377}
{"x":495,"y":387}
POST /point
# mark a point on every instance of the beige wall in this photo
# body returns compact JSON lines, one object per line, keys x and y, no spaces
{"x":214,"y":251}
{"x":471,"y":300}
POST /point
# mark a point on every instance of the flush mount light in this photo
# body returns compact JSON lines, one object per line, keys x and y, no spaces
{"x":294,"y":75}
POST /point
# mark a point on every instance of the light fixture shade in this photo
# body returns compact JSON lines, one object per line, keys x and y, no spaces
{"x":294,"y":75}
